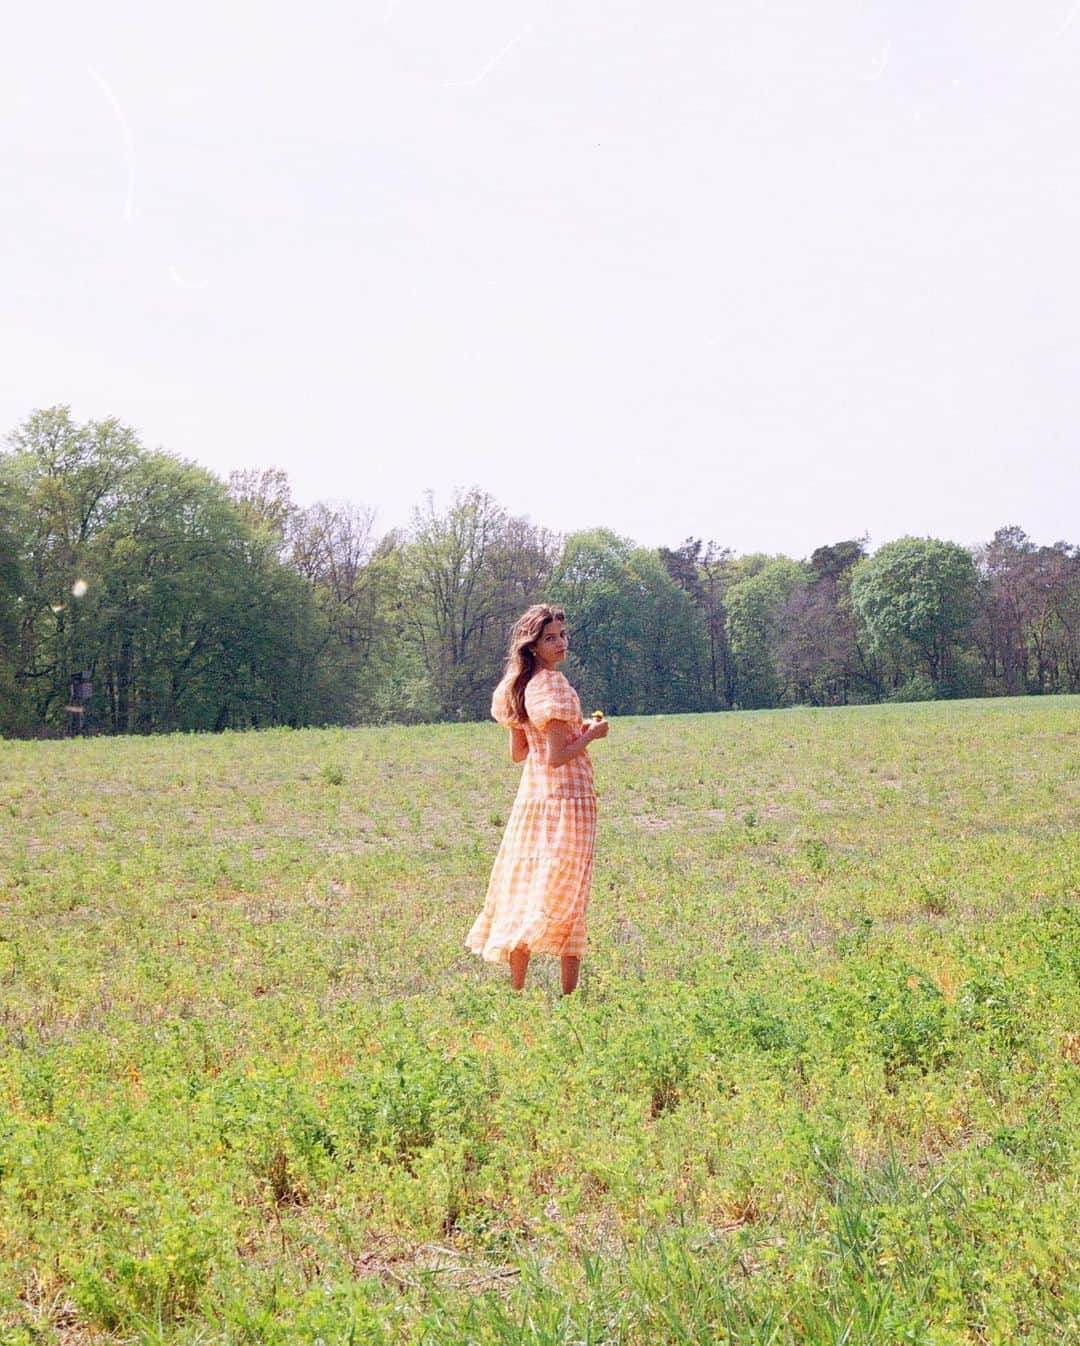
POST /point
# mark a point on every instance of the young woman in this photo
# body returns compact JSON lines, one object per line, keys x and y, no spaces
{"x":539,"y":886}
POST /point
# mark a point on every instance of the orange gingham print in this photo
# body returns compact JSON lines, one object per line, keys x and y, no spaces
{"x":540,"y":882}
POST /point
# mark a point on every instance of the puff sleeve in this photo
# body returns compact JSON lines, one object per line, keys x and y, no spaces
{"x":548,"y":697}
{"x":500,"y":708}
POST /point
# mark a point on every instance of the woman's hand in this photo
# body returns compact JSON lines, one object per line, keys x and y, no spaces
{"x":564,"y":745}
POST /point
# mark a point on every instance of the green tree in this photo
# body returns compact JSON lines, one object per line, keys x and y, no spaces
{"x":141,"y":570}
{"x":464,"y":575}
{"x":63,"y":481}
{"x":263,"y":499}
{"x":356,"y":579}
{"x":705,"y":572}
{"x":1002,"y":626}
{"x":755,"y":608}
{"x":1054,"y":633}
{"x":636,"y":641}
{"x":915,"y":600}
{"x":207,"y":629}
{"x":11,"y":598}
{"x":820,"y":654}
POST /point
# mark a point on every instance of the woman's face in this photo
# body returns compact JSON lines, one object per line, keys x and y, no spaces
{"x":551,"y":645}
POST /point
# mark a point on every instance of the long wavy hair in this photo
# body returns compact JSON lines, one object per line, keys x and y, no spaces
{"x":521,"y":657}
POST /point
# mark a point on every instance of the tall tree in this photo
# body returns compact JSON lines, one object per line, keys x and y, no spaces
{"x":1055,"y":629}
{"x":915,"y":601}
{"x":820,"y":652}
{"x":263,"y":499}
{"x":333,"y":548}
{"x":11,"y":597}
{"x":1001,"y":627}
{"x":64,"y":482}
{"x":755,"y":604}
{"x":200,"y":626}
{"x":465,"y":574}
{"x":635,"y":638}
{"x":356,"y":579}
{"x":705,"y":572}
{"x":141,"y":570}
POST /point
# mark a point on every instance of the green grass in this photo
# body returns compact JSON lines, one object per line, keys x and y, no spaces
{"x":821,"y":1081}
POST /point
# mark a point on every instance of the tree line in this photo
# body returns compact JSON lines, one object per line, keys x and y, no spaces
{"x":197,"y":604}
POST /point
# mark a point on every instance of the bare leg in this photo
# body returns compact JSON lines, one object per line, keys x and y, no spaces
{"x":519,"y":965}
{"x":570,"y":969}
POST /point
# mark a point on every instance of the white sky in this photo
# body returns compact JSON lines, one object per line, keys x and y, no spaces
{"x":776,"y":274}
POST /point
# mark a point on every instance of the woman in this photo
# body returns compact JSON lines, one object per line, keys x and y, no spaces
{"x":539,"y":886}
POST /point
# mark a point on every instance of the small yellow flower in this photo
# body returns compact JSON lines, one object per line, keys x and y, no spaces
{"x":598,"y":715}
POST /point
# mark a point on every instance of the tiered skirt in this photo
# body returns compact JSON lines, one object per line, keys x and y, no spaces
{"x":539,"y":887}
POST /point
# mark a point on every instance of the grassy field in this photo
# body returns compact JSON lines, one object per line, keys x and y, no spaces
{"x":821,"y":1082}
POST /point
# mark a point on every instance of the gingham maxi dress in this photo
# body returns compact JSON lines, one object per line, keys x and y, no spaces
{"x":539,"y":887}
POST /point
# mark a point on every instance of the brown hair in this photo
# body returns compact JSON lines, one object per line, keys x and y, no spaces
{"x":520,"y":657}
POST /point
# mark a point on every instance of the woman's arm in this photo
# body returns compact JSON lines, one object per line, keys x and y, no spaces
{"x":519,"y":744}
{"x":564,"y":745}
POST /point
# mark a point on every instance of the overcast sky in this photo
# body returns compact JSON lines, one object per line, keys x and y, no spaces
{"x":775,"y":274}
